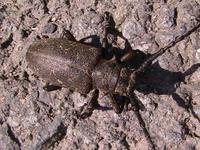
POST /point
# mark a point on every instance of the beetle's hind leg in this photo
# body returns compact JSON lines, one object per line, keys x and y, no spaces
{"x":92,"y":103}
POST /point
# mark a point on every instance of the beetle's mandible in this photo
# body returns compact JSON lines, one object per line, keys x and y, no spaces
{"x":66,"y":62}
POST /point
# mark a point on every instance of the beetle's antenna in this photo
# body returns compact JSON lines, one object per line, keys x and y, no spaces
{"x":132,"y":82}
{"x":154,"y":56}
{"x":165,"y":48}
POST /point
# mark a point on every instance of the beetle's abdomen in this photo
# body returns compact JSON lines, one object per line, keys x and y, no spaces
{"x":64,"y":63}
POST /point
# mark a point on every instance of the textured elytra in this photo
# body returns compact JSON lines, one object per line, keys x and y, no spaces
{"x":65,"y":63}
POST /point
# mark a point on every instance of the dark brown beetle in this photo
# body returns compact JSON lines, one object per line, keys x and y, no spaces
{"x":66,"y":62}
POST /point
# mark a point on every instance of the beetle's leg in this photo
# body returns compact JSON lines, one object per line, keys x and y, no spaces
{"x":117,"y":102}
{"x":134,"y":100}
{"x":136,"y":103}
{"x":69,"y":36}
{"x":120,"y":103}
{"x":87,"y":109}
{"x":107,"y":49}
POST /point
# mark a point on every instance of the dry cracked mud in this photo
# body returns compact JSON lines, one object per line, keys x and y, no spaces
{"x":32,"y":118}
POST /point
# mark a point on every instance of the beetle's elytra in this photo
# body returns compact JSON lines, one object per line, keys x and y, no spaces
{"x":66,"y":62}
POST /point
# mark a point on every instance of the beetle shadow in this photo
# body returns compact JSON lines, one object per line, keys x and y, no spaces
{"x":160,"y":81}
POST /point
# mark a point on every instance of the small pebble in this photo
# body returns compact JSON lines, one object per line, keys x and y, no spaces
{"x":50,"y":28}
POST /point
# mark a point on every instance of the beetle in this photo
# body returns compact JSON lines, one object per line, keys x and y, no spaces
{"x":65,"y":62}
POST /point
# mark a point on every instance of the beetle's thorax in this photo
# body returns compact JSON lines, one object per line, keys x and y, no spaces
{"x":110,"y":76}
{"x":123,"y":81}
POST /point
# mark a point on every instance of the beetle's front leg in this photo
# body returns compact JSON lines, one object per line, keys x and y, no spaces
{"x":92,"y":103}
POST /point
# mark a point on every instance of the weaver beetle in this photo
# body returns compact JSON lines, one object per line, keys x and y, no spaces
{"x":66,"y":62}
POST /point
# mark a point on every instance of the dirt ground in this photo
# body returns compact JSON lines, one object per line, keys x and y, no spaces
{"x":32,"y":118}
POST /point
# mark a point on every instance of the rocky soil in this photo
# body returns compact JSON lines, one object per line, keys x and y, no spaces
{"x":32,"y":118}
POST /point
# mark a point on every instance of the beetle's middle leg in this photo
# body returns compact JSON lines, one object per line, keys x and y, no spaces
{"x":92,"y":103}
